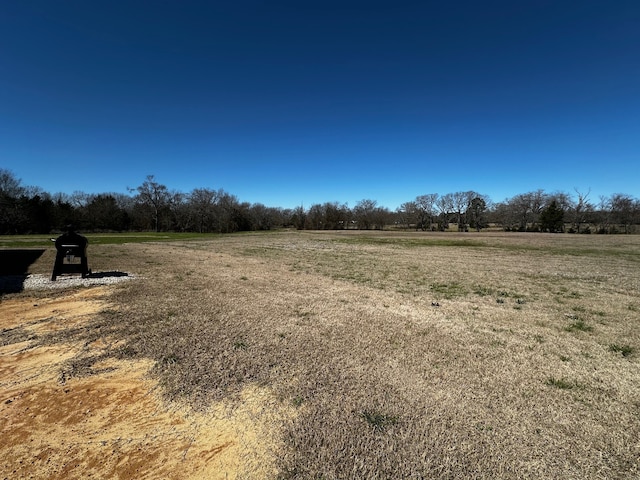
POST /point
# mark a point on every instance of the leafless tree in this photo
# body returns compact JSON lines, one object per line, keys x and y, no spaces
{"x":406,"y":214}
{"x":364,"y":213}
{"x":622,"y":207}
{"x":153,"y":195}
{"x":444,"y":204}
{"x":425,"y":210}
{"x":582,"y":209}
{"x":203,"y":202}
{"x":10,"y":185}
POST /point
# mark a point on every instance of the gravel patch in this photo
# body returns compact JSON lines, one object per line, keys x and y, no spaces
{"x":18,"y":283}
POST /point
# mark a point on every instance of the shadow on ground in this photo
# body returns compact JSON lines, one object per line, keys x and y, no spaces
{"x":14,"y":267}
{"x":107,"y":274}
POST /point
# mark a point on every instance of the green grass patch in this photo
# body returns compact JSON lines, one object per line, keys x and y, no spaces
{"x":483,"y":291}
{"x":240,"y":345}
{"x":560,"y":383}
{"x":379,"y":421}
{"x":578,"y":326}
{"x":410,"y":242}
{"x":448,"y":290}
{"x":625,"y":350}
{"x":32,"y":241}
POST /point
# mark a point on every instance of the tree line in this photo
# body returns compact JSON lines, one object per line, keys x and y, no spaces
{"x":152,"y":206}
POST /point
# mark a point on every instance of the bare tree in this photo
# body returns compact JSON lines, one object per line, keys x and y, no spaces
{"x":604,"y":214}
{"x":153,"y":195}
{"x":365,"y":212}
{"x":406,"y":213}
{"x":425,"y":210}
{"x":581,"y":209}
{"x":315,"y":217}
{"x":445,"y":208}
{"x":334,"y":215}
{"x":202,"y":202}
{"x":261,"y":217}
{"x":622,"y":208}
{"x":11,"y":215}
{"x":526,"y":208}
{"x":299,"y":217}
{"x":10,"y":185}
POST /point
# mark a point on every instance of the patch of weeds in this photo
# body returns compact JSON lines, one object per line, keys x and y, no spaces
{"x":244,"y":278}
{"x":578,"y":325}
{"x":81,"y":367}
{"x":9,"y":336}
{"x":297,"y":401}
{"x":560,"y":383}
{"x":564,"y":358}
{"x":538,"y":338}
{"x":240,"y":345}
{"x":483,"y":427}
{"x":483,"y":291}
{"x":304,"y":313}
{"x":411,"y":242}
{"x":378,"y":421}
{"x":125,"y":352}
{"x":448,"y":290}
{"x":633,"y":307}
{"x":170,"y":359}
{"x":625,"y":350}
{"x":566,"y":293}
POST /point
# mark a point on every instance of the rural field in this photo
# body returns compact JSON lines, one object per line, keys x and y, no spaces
{"x":329,"y":355}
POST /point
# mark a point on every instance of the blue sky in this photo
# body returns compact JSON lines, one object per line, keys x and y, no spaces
{"x":289,"y":103}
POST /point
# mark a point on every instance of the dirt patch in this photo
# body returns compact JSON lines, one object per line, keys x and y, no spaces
{"x":112,"y":423}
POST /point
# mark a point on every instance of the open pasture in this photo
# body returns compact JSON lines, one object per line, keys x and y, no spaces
{"x":392,"y":355}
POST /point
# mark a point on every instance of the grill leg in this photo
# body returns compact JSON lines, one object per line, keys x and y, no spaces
{"x":57,"y":267}
{"x":85,"y":266}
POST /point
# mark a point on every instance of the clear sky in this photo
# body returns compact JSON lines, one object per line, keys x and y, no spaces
{"x":301,"y":102}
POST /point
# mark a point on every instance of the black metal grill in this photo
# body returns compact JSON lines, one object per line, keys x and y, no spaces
{"x":71,"y":255}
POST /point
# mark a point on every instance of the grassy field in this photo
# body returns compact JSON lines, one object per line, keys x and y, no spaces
{"x":401,"y":355}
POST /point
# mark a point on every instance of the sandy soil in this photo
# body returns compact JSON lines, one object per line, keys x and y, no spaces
{"x":113,"y":423}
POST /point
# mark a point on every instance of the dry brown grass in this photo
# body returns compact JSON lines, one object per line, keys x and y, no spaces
{"x":405,"y":355}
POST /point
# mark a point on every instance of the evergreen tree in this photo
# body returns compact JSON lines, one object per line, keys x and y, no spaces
{"x":552,"y":218}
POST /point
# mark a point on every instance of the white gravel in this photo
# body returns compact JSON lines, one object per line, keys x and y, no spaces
{"x":16,"y":283}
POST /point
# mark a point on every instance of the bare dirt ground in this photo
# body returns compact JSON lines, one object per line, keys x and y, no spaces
{"x":110,"y":422}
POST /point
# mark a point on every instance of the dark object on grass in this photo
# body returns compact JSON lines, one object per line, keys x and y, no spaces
{"x":71,"y":246}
